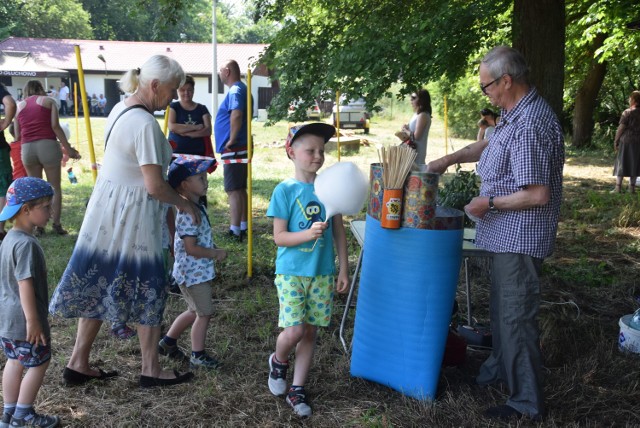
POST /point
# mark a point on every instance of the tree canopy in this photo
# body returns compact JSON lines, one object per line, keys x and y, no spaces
{"x":138,"y":20}
{"x":362,"y":47}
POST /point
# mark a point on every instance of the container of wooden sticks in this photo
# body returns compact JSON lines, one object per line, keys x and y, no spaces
{"x":396,"y":163}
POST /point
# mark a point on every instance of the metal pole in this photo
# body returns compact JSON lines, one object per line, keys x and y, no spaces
{"x":165,"y":128}
{"x":214,"y":72}
{"x":87,"y":119}
{"x":338,"y":121}
{"x":249,"y":179}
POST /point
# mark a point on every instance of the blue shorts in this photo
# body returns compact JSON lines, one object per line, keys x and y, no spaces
{"x":25,"y":353}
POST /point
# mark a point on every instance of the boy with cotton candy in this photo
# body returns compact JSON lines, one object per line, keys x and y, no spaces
{"x":305,"y":274}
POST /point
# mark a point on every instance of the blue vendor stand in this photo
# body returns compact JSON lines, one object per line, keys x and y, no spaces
{"x":407,"y":289}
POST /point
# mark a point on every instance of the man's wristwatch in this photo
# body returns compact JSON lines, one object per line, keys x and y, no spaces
{"x":492,"y":207}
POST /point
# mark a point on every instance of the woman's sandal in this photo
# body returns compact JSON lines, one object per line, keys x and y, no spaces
{"x":57,"y":228}
{"x":71,"y":377}
{"x":150,"y":382}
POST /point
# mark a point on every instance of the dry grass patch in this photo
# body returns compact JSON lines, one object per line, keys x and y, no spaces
{"x":591,"y":281}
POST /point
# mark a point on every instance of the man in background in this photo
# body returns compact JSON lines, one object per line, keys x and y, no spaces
{"x":63,"y":95}
{"x":230,"y":130}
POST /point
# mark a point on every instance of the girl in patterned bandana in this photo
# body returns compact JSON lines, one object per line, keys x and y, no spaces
{"x":193,"y":268}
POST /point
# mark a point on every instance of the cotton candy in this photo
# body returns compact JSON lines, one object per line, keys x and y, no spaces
{"x":342,"y":188}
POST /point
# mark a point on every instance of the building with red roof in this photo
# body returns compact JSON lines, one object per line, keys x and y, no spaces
{"x":104,"y":61}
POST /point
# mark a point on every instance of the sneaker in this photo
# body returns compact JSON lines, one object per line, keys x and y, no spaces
{"x":36,"y":420}
{"x":204,"y":361}
{"x":277,"y":376}
{"x":123,"y":332}
{"x":5,"y":421}
{"x":297,"y":399}
{"x":234,"y":236}
{"x":173,"y":352}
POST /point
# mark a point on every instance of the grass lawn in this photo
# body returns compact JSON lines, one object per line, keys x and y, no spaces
{"x":588,"y":283}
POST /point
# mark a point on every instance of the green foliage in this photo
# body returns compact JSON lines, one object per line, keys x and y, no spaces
{"x":323,"y":45}
{"x":139,"y":20}
{"x":48,"y":18}
{"x":459,"y":190}
{"x":620,"y":50}
{"x":464,"y":102}
{"x":584,"y":272}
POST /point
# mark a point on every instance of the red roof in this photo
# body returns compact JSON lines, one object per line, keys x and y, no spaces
{"x":195,"y":58}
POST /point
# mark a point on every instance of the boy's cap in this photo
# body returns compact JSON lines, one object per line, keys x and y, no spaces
{"x":23,"y":190}
{"x":320,"y":129}
{"x":184,"y":166}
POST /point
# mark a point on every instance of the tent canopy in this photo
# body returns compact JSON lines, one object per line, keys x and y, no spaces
{"x":23,"y":64}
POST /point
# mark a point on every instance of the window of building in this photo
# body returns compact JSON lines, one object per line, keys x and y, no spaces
{"x":220,"y":85}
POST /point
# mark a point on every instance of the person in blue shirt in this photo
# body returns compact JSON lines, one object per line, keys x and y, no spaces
{"x":305,"y":264}
{"x":230,"y":131}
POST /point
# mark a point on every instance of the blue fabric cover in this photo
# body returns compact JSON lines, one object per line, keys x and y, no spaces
{"x":407,"y":289}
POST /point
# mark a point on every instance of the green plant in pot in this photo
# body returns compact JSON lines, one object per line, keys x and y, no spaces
{"x":459,"y":190}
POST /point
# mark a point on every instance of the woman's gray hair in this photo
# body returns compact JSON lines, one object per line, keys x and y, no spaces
{"x":158,"y":67}
{"x":503,"y":60}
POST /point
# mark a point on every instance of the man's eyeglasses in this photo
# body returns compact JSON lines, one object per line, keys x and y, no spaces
{"x":483,"y":88}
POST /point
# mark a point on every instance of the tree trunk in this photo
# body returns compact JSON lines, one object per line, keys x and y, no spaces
{"x":587,"y":96}
{"x":539,"y":34}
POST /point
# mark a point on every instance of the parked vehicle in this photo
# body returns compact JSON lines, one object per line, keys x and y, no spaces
{"x":313,"y":113}
{"x":353,"y":115}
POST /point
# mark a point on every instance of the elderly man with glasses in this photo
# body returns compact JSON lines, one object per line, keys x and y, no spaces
{"x":517,"y":211}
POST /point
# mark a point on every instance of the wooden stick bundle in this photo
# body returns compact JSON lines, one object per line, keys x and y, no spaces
{"x":396,"y":164}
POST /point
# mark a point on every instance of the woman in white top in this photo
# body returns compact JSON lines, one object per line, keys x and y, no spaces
{"x":420,"y":123}
{"x":491,"y":119}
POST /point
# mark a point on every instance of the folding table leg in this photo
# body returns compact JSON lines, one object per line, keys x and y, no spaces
{"x":349,"y":298}
{"x":468,"y":290}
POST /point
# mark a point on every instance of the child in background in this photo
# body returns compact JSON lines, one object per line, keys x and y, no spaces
{"x":24,"y":297}
{"x":304,"y":274}
{"x":16,"y":156}
{"x":193,"y":267}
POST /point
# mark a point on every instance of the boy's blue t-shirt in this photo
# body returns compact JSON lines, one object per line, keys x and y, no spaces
{"x":297,"y":203}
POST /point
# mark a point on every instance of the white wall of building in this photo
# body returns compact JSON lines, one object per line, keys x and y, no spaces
{"x":94,"y":84}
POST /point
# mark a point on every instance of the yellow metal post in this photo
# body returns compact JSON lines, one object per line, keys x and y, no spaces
{"x":249,"y":177}
{"x":338,"y":121}
{"x":165,"y":128}
{"x":87,"y":119}
{"x":446,"y":127}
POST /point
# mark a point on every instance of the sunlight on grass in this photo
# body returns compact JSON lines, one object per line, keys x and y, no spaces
{"x":595,"y":265}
